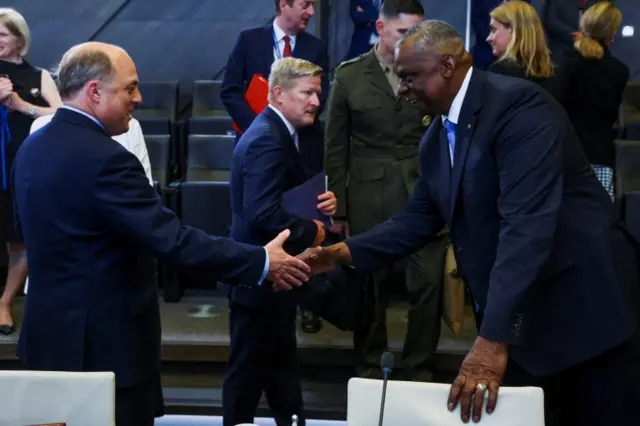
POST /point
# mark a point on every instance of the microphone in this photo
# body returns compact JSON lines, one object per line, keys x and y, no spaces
{"x":387,"y":362}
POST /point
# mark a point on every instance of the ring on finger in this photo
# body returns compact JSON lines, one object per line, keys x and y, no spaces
{"x":481,"y":387}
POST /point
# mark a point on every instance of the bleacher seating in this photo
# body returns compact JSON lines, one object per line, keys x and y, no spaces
{"x":206,"y":98}
{"x":159,"y":149}
{"x":214,"y":125}
{"x":209,"y":157}
{"x":627,"y":172}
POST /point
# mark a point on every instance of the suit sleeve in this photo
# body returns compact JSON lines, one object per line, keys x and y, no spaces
{"x":402,"y":234}
{"x":125,"y":200}
{"x":337,"y":143}
{"x":233,"y":85}
{"x":263,"y":179}
{"x":528,"y":155}
{"x":555,"y":27}
{"x":368,"y":14}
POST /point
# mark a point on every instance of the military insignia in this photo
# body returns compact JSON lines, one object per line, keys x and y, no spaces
{"x":35,"y":92}
{"x":426,"y":120}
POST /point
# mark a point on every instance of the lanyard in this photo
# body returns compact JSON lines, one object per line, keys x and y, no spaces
{"x":276,"y":46}
{"x":5,"y":139}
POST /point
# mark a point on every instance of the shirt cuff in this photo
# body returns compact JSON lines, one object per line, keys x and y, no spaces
{"x":265,"y":271}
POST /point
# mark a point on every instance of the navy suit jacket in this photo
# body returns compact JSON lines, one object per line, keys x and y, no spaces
{"x":364,"y":21}
{"x":93,"y":224}
{"x":531,"y":225}
{"x":253,"y":54}
{"x":265,"y":164}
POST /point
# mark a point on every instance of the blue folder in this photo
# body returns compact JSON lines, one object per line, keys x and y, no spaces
{"x":302,"y":200}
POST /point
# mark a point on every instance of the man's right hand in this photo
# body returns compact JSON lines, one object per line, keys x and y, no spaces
{"x":284,"y":270}
{"x":324,"y":259}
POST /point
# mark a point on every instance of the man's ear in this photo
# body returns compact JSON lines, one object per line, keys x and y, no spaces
{"x":447,"y":65}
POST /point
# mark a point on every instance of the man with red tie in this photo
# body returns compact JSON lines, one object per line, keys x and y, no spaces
{"x":257,"y":48}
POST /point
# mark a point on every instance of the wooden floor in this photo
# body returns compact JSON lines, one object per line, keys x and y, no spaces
{"x":195,"y":343}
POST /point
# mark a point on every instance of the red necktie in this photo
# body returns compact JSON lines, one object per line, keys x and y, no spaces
{"x":286,"y":52}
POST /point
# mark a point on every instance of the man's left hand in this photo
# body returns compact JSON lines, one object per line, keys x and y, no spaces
{"x":328,"y":204}
{"x":482,"y":370}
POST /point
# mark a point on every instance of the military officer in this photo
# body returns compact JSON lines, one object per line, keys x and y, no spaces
{"x":372,"y":162}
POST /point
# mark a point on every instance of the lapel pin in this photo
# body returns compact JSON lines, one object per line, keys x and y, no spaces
{"x":469,"y":126}
{"x":426,"y":120}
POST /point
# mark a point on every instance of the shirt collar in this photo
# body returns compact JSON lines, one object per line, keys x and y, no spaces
{"x":385,"y":67}
{"x":292,"y":130}
{"x":456,"y":105}
{"x":94,"y":119}
{"x":279,"y":32}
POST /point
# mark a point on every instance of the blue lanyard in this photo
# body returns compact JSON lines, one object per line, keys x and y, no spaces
{"x":276,"y":47}
{"x":5,"y":139}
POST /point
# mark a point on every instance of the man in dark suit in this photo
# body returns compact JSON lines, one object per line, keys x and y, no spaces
{"x":364,"y":14}
{"x":560,"y":19}
{"x":93,"y":223}
{"x":257,"y":48}
{"x":266,"y":163}
{"x":533,"y":232}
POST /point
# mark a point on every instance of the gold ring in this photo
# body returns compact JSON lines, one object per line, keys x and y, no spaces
{"x":481,"y":386}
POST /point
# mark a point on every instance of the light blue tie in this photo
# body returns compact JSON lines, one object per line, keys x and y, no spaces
{"x":451,"y":137}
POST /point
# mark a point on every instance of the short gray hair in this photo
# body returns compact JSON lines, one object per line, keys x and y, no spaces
{"x":435,"y":35}
{"x":76,"y":69}
{"x":285,"y":72}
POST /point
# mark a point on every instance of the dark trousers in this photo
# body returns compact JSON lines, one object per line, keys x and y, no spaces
{"x":139,"y":405}
{"x":600,"y":392}
{"x":423,"y":279}
{"x":262,"y":359}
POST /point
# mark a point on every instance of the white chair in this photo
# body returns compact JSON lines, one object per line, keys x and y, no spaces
{"x":40,"y":397}
{"x":425,"y":404}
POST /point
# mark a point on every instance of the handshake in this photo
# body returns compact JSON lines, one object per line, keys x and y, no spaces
{"x":286,"y":271}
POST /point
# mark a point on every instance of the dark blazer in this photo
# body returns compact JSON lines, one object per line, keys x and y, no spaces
{"x":364,"y":21}
{"x":253,"y":54}
{"x":530,"y":223}
{"x":92,"y":224}
{"x":265,"y":164}
{"x":594,"y":95}
{"x":560,"y":18}
{"x":556,"y":84}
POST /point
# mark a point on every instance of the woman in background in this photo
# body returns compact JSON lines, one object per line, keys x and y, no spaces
{"x":595,"y":88}
{"x":26,"y":92}
{"x":518,"y":41}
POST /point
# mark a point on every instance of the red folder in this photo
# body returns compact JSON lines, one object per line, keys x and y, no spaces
{"x":256,"y":96}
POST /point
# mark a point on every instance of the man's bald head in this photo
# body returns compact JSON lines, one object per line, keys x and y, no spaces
{"x":86,"y":62}
{"x":101,"y":80}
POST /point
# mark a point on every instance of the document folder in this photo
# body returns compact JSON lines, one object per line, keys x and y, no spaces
{"x":256,"y":96}
{"x":302,"y":200}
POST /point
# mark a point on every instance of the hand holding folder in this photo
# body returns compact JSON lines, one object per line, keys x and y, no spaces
{"x":257,"y":96}
{"x":302,"y":200}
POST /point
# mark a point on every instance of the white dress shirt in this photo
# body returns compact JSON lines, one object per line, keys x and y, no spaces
{"x":133,"y":140}
{"x":292,"y":130}
{"x":278,"y":42}
{"x":454,"y":111}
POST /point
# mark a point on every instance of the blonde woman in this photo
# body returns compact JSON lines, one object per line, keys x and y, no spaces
{"x":596,"y":86}
{"x":518,"y":42}
{"x":26,"y":92}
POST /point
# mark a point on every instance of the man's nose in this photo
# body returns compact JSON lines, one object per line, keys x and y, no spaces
{"x":315,"y":100}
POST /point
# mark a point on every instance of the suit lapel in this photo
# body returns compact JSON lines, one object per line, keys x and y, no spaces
{"x":288,"y":141}
{"x":464,"y":132}
{"x":376,"y":76}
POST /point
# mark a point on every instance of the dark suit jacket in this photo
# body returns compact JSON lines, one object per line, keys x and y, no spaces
{"x":92,"y":224}
{"x":594,"y":94}
{"x":556,"y":84}
{"x":253,"y":54}
{"x":531,"y":226}
{"x":560,"y":18}
{"x":265,"y":164}
{"x":364,"y":21}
